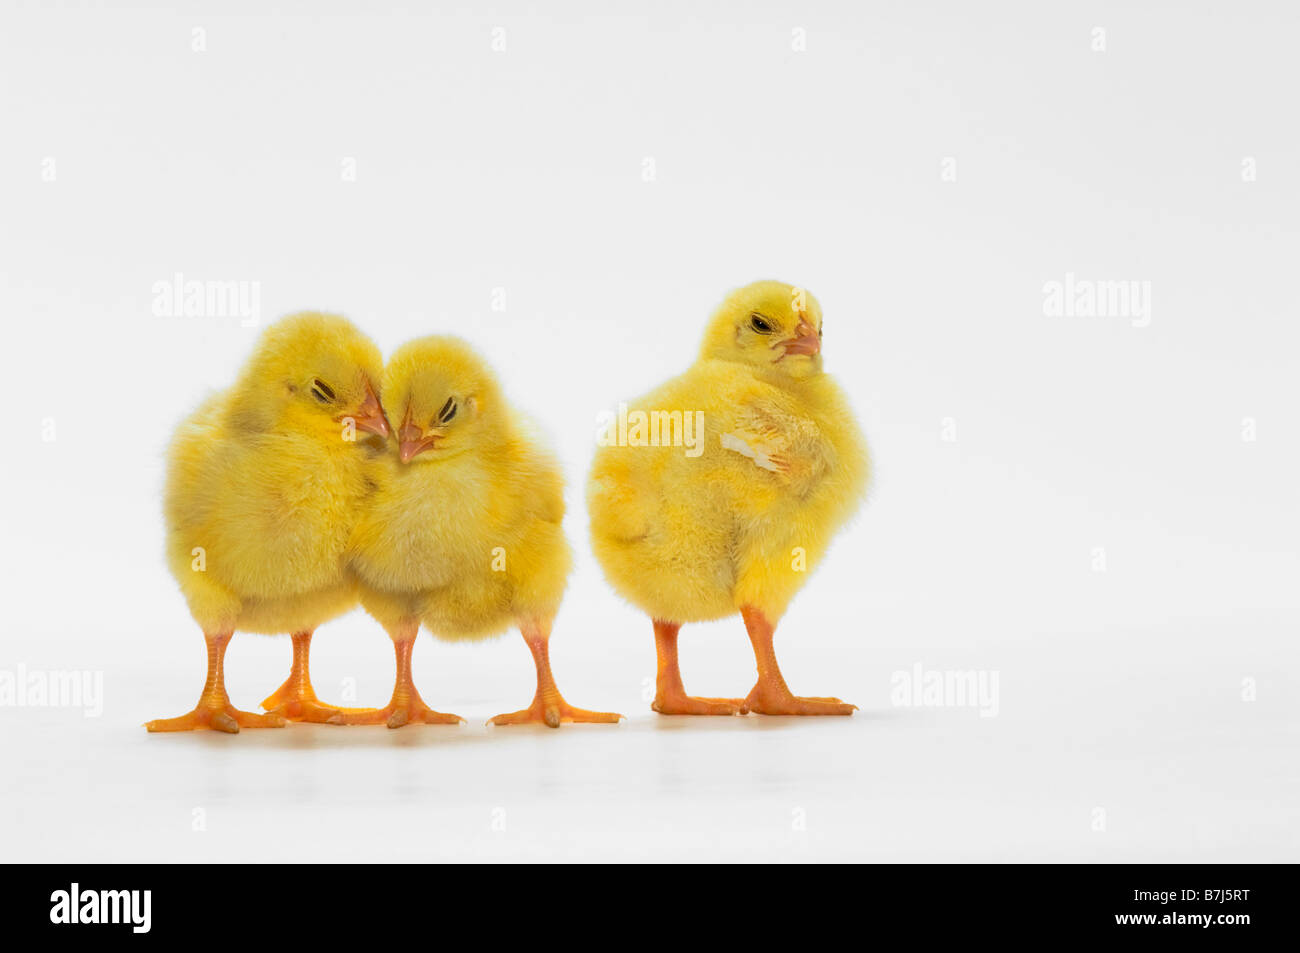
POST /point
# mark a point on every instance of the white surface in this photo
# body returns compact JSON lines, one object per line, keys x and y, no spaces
{"x":1120,"y":690}
{"x":1183,"y":769}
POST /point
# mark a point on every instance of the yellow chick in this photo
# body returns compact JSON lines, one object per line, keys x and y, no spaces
{"x":264,"y":484}
{"x":721,"y":489}
{"x":463,"y":531}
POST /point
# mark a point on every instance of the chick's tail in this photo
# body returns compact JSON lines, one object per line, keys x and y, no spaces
{"x":614,"y":501}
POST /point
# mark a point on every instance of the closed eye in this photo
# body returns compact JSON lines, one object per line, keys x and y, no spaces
{"x":448,"y":411}
{"x":322,"y":391}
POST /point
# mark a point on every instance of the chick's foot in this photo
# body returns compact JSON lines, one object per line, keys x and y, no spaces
{"x":214,"y":710}
{"x":298,"y":702}
{"x":679,"y":703}
{"x":226,"y":718}
{"x":303,"y":708}
{"x":766,"y":699}
{"x":549,"y":707}
{"x":395,"y":714}
{"x":295,"y":699}
{"x":771,"y":695}
{"x":670,"y":694}
{"x":406,"y":706}
{"x":553,"y":712}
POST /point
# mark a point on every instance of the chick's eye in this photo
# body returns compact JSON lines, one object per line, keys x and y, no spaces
{"x":760,"y":324}
{"x":322,"y":391}
{"x":448,"y":411}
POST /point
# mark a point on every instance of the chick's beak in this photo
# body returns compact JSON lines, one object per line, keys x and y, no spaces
{"x":413,"y":440}
{"x":370,"y":415}
{"x":806,"y":340}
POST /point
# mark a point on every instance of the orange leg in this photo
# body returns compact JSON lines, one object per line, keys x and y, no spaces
{"x":296,"y":699}
{"x":214,"y":709}
{"x":549,"y":706}
{"x":406,"y":705}
{"x":770,"y":695}
{"x":670,"y":695}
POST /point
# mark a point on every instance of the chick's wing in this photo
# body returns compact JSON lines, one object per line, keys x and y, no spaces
{"x":788,"y":447}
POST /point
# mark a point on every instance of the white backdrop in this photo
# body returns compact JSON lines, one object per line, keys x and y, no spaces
{"x":1100,"y":510}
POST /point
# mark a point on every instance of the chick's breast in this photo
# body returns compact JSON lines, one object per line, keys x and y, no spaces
{"x":398,"y":545}
{"x":468,"y":545}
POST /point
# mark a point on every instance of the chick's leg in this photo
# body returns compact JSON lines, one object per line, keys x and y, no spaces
{"x":296,"y":699}
{"x":214,"y":709}
{"x":549,"y":706}
{"x":406,"y":705}
{"x":670,"y":694}
{"x":770,"y":695}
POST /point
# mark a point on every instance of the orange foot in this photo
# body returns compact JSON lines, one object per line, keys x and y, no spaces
{"x":766,"y":699}
{"x":298,"y":704}
{"x":548,"y":707}
{"x":296,"y":699}
{"x":225,"y":717}
{"x":679,"y":703}
{"x":554,"y":712}
{"x":395,"y":714}
{"x":214,"y":709}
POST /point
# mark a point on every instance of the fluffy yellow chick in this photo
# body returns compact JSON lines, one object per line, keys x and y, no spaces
{"x":264,"y":484}
{"x":726,"y":493}
{"x":463,"y":531}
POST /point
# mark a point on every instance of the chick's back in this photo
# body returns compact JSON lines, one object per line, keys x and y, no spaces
{"x":258,"y":523}
{"x":691,"y":538}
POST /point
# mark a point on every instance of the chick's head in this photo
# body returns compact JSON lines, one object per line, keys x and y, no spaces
{"x":445,"y":396}
{"x":313,"y":373}
{"x":769,"y":325}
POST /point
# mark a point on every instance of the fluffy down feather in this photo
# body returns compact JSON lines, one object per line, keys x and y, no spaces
{"x":783,"y":466}
{"x":262,"y":480}
{"x":264,"y":484}
{"x":463,"y":530}
{"x":466,"y":535}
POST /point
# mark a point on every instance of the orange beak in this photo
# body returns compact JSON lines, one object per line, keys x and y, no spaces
{"x":412,"y":440}
{"x":806,"y":340}
{"x":370,"y":415}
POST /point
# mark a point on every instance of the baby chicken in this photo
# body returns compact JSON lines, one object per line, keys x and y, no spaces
{"x":264,"y":484}
{"x":463,"y":531}
{"x":733,"y":522}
